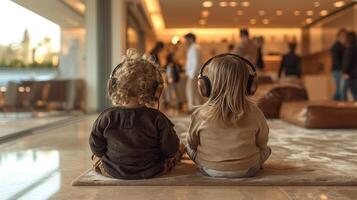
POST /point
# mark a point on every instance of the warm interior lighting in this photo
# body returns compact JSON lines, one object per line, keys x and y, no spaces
{"x":154,"y":10}
{"x":317,"y":4}
{"x":202,"y":22}
{"x":279,"y":12}
{"x":253,"y":21}
{"x":21,"y":89}
{"x":157,"y":21}
{"x":245,"y":4}
{"x":310,"y":13}
{"x":308,"y":21}
{"x":261,"y":12}
{"x":240,"y":12}
{"x":28,"y":89}
{"x":223,"y":4}
{"x":2,"y":89}
{"x":323,"y":12}
{"x":205,"y":13}
{"x":207,"y":4}
{"x":265,"y":21}
{"x":339,"y":4}
{"x":296,"y":13}
{"x":175,"y":39}
{"x":233,"y":4}
{"x":152,"y":6}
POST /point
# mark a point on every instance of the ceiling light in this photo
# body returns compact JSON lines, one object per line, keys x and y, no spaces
{"x":310,"y":13}
{"x":339,"y":4}
{"x":240,"y":12}
{"x":261,"y":12}
{"x":265,"y":21}
{"x":296,"y":13}
{"x":202,"y":22}
{"x":308,"y":21}
{"x":323,"y":12}
{"x":175,"y":40}
{"x":279,"y":12}
{"x":233,"y":4}
{"x":245,"y":4}
{"x":205,"y":13}
{"x":317,"y":4}
{"x":207,"y":4}
{"x":223,"y":4}
{"x":253,"y":21}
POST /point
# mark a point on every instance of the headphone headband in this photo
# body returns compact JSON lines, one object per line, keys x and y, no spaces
{"x":115,"y":70}
{"x":228,"y":54}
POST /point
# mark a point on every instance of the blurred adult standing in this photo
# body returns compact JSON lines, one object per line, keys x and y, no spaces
{"x":337,"y":51}
{"x":291,"y":65}
{"x":349,"y":65}
{"x":246,"y":48}
{"x":193,"y":61}
{"x":159,"y":46}
{"x":259,"y":63}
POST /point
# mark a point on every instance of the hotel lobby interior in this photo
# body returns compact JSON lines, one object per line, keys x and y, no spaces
{"x":56,"y":69}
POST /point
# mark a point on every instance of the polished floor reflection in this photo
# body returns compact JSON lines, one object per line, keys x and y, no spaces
{"x":42,"y":166}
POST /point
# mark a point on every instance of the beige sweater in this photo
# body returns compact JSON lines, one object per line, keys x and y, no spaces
{"x":229,"y":148}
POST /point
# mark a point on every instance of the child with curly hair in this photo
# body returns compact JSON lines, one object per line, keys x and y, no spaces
{"x":132,"y":140}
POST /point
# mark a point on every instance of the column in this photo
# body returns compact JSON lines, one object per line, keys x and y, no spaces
{"x":119,"y":26}
{"x":91,"y":75}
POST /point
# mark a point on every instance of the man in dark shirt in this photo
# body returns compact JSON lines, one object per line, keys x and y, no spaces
{"x":337,"y":52}
{"x":291,"y":63}
{"x":349,"y":64}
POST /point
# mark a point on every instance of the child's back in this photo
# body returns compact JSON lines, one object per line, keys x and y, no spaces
{"x":229,"y":148}
{"x":228,"y":135}
{"x":133,"y":142}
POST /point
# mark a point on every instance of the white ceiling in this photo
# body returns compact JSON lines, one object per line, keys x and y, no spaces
{"x":187,"y":13}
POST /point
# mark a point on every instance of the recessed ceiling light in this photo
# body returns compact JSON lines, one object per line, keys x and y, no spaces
{"x":207,"y":4}
{"x":323,"y":12}
{"x":245,"y":4}
{"x":317,"y":4}
{"x":204,"y":13}
{"x":223,"y":4}
{"x":253,"y":21}
{"x":202,"y":22}
{"x":308,"y":21}
{"x":261,"y":12}
{"x":296,"y":13}
{"x":279,"y":12}
{"x":265,"y":21}
{"x":240,"y":12}
{"x":310,"y":13}
{"x":233,"y":4}
{"x":339,"y":4}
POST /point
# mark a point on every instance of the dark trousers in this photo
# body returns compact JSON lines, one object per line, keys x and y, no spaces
{"x":352,"y":85}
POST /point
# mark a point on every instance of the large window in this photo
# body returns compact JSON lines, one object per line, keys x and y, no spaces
{"x":27,"y":40}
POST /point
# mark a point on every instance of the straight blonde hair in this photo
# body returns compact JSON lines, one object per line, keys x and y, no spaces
{"x":229,"y":100}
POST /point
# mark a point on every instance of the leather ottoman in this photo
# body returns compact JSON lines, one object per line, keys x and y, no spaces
{"x":270,"y":98}
{"x":320,"y":114}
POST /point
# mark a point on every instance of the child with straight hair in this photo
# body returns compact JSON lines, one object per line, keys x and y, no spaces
{"x":131,"y":140}
{"x":228,"y":134}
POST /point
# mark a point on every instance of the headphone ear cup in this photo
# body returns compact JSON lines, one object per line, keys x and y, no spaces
{"x":110,"y":85}
{"x":252,"y":85}
{"x":157,"y":90}
{"x":204,"y":86}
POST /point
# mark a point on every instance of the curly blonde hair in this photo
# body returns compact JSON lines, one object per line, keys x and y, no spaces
{"x":136,"y":78}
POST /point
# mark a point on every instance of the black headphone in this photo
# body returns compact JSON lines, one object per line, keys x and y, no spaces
{"x":204,"y":84}
{"x":156,"y":90}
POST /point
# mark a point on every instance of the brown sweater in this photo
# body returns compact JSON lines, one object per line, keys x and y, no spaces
{"x":133,"y":142}
{"x":229,"y":148}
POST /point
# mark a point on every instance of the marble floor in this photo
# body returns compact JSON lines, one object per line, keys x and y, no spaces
{"x":43,"y":165}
